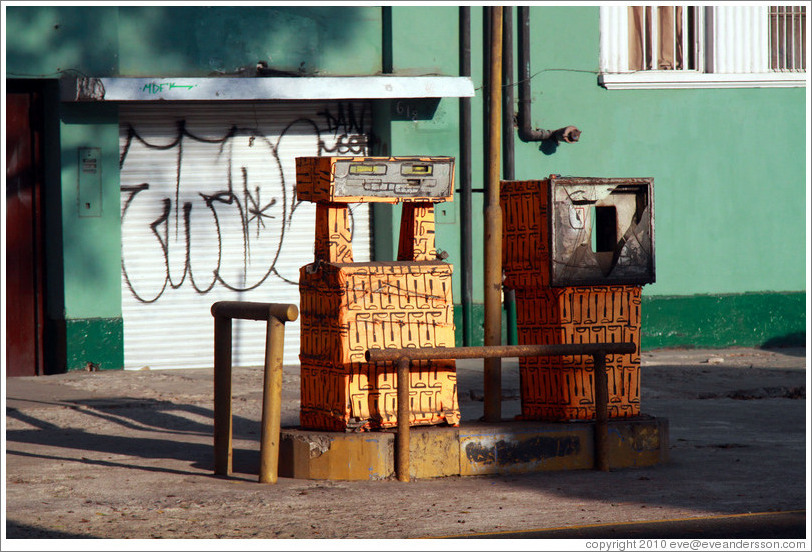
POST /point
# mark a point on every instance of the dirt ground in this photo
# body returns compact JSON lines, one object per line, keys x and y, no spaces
{"x":128,"y":455}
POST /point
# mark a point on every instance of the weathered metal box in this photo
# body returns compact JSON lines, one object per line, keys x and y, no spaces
{"x":566,"y":231}
{"x":601,"y":231}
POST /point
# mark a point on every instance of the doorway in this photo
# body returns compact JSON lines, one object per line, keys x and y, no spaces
{"x":24,"y":223}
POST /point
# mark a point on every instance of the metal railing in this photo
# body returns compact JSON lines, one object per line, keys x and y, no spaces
{"x":276,"y":315}
{"x":404,"y":358}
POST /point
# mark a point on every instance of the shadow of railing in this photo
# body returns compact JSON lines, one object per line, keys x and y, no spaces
{"x":150,"y":429}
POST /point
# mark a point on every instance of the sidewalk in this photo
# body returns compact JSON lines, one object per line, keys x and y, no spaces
{"x":129,"y":455}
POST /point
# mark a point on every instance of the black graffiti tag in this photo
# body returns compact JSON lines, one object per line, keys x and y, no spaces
{"x":177,"y":227}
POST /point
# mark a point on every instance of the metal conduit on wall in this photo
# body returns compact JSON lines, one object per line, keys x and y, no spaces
{"x":465,"y":182}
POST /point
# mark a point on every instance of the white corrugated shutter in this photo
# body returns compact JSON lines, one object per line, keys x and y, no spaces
{"x":208,"y":213}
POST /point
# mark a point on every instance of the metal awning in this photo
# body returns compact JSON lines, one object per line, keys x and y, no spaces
{"x":123,"y":89}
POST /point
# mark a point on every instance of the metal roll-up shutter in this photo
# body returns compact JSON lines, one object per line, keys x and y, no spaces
{"x":209,"y":213}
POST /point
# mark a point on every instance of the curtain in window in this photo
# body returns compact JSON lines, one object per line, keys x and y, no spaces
{"x":660,"y":39}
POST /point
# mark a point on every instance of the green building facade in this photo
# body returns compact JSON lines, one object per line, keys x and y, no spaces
{"x":728,"y":163}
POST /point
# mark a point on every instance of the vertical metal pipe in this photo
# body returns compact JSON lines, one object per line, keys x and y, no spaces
{"x":466,"y":231}
{"x":486,"y":92}
{"x":271,"y":401}
{"x":524,"y":66}
{"x":601,"y":412}
{"x":508,"y":162}
{"x":493,"y":226}
{"x":526,"y":131}
{"x":790,"y":34}
{"x":387,"y":55}
{"x":222,"y":395}
{"x":404,"y":413}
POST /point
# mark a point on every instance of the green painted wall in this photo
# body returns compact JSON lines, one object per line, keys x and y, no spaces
{"x":185,"y":41}
{"x":45,"y":41}
{"x":426,"y":42}
{"x":728,"y":165}
{"x":91,"y":245}
{"x":84,"y":288}
{"x":191,"y":41}
{"x":745,"y":320}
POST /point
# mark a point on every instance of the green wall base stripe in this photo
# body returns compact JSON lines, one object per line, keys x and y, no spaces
{"x":709,"y":321}
{"x":712,"y":321}
{"x":99,"y":341}
{"x":478,"y":325}
{"x":744,"y":320}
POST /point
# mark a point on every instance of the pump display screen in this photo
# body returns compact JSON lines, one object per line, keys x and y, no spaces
{"x":396,"y":178}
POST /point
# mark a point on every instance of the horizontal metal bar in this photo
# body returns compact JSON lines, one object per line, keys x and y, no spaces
{"x":246,"y":310}
{"x":501,"y":351}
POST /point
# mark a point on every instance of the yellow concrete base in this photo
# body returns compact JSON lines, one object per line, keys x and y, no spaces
{"x":472,"y":449}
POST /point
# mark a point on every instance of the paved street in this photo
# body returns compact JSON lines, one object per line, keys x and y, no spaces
{"x":763,"y":525}
{"x":129,"y":455}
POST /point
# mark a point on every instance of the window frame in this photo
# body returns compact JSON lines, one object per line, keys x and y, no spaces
{"x":727,"y":64}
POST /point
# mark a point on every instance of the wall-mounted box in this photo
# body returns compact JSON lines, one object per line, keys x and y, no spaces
{"x":89,"y":183}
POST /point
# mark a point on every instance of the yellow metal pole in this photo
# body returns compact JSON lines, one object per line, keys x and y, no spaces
{"x":601,"y":383}
{"x":493,"y":227}
{"x":222,"y":395}
{"x":404,"y":412}
{"x":271,"y":402}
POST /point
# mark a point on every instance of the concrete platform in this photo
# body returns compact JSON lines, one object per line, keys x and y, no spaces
{"x":474,"y":448}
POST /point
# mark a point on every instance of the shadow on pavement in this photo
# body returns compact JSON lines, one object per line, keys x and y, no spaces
{"x":15,"y":530}
{"x":726,"y":447}
{"x":175,"y":436}
{"x":774,"y":525}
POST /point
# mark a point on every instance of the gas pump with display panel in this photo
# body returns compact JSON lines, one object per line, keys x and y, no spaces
{"x":348,"y":307}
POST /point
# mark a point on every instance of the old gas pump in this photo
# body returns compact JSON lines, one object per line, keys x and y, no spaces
{"x":577,"y":251}
{"x":349,"y":307}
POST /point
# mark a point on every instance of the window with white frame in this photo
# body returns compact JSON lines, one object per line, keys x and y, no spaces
{"x":702,"y":46}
